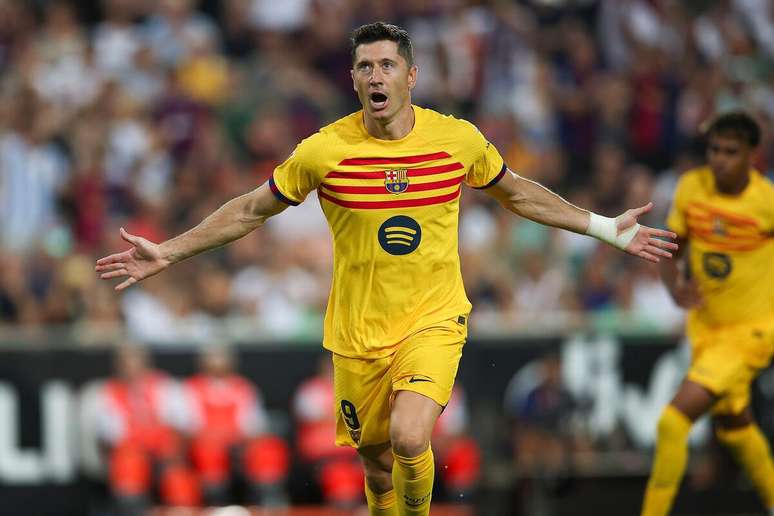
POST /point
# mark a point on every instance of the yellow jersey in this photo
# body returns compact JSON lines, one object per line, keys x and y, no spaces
{"x":731,"y":247}
{"x":393,"y":209}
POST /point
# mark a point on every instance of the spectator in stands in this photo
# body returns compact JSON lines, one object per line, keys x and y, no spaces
{"x":544,"y":436}
{"x":32,"y":172}
{"x":138,"y":421}
{"x":155,"y":112}
{"x":227,"y":426}
{"x":541,"y":409}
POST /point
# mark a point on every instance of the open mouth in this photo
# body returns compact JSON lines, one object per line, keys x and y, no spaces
{"x":378,"y":100}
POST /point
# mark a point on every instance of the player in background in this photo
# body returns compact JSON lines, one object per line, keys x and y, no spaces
{"x":723,"y":214}
{"x":336,"y":469}
{"x":226,"y":423}
{"x":138,"y":423}
{"x":389,"y":179}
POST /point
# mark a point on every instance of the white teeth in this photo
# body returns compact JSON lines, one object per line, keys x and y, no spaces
{"x":379,"y":104}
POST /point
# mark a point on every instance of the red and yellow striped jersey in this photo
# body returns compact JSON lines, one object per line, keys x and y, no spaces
{"x":731,"y":246}
{"x":393,"y":207}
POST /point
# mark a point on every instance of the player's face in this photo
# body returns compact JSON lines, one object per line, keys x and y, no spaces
{"x":131,"y":364}
{"x":217,"y":364}
{"x":729,"y":159}
{"x":383,"y":79}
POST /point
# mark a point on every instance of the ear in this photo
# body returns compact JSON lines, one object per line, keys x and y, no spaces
{"x":352,"y":74}
{"x":412,"y":76}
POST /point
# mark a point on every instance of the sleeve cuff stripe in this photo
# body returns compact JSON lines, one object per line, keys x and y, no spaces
{"x":279,"y":194}
{"x":493,"y":181}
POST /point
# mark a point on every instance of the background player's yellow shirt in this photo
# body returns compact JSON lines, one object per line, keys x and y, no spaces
{"x":731,"y":247}
{"x":392,"y":206}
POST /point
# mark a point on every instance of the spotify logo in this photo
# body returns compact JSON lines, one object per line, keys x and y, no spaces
{"x":400,"y":235}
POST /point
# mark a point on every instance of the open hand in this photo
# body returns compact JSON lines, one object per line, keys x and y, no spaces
{"x":647,"y":243}
{"x":143,"y":260}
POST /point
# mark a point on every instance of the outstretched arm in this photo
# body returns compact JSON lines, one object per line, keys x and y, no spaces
{"x":536,"y":202}
{"x":231,"y":221}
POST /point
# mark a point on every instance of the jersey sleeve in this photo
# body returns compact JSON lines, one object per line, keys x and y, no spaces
{"x":300,"y":173}
{"x":488,"y":167}
{"x":676,"y":220}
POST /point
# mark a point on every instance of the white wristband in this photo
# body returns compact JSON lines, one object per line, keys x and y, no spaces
{"x":606,"y":229}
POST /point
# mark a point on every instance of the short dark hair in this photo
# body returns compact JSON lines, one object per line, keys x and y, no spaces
{"x":735,"y":124}
{"x":381,"y":31}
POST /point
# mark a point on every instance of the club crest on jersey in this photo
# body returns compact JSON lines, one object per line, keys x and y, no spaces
{"x":396,"y":181}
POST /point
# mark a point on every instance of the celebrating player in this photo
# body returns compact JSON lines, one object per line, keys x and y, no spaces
{"x":725,"y":211}
{"x":389,"y":179}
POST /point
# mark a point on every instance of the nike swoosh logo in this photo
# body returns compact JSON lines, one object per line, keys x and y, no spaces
{"x":415,"y":380}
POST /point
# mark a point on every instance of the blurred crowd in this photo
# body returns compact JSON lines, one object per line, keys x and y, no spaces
{"x":209,"y":440}
{"x":148,"y":115}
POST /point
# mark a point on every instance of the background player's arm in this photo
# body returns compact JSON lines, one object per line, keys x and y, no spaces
{"x":536,"y":202}
{"x":674,"y":274}
{"x":231,"y":221}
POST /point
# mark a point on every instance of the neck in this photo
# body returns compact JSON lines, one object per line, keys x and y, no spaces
{"x":393,"y":129}
{"x":736,"y":188}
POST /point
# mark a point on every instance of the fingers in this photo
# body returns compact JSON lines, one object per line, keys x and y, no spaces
{"x":120,"y":257}
{"x":657,"y":251}
{"x":109,"y":266}
{"x":128,"y":283}
{"x":660,"y":233}
{"x":132,"y":239}
{"x":114,"y":274}
{"x":648,"y":256}
{"x":642,"y":209}
{"x":655,"y":239}
{"x":113,"y":258}
{"x":115,"y":270}
{"x":114,"y":266}
{"x":662,"y":245}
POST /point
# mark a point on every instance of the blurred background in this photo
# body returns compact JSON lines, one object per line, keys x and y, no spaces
{"x":207,"y":385}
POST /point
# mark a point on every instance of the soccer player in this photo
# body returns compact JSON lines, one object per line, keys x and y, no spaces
{"x":724,"y":212}
{"x":389,"y":179}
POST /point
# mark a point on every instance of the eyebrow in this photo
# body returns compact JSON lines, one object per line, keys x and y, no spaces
{"x":367,"y":61}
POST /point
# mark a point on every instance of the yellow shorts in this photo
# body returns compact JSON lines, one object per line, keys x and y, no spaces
{"x":426,"y":363}
{"x":727,"y":359}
